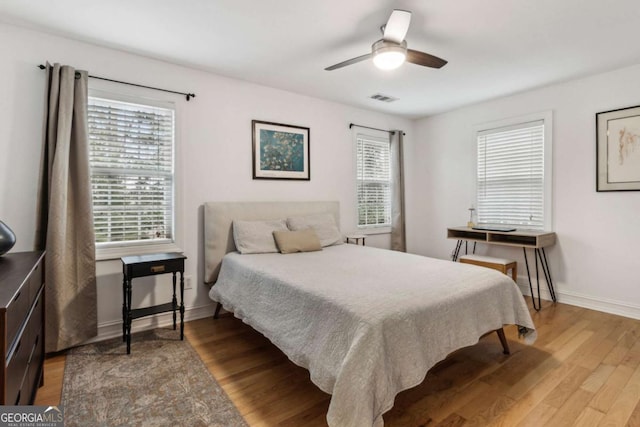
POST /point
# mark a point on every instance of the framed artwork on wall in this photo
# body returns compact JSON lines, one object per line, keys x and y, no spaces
{"x":618,"y":150}
{"x":280,"y":151}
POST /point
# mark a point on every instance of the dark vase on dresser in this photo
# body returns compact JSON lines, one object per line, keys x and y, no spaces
{"x":7,"y":238}
{"x":21,"y":326}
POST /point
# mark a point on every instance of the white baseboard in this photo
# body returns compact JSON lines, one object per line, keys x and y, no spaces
{"x":620,"y":308}
{"x":113,"y":328}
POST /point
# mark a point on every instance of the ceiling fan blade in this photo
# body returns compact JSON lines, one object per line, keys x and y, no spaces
{"x":397,"y":26}
{"x":424,"y":59}
{"x":348,"y":62}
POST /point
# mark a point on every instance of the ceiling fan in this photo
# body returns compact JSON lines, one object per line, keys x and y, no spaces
{"x":391,"y":50}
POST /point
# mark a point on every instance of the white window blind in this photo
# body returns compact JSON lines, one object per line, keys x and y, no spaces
{"x":373,"y":181}
{"x":132,"y":172}
{"x":511,"y":175}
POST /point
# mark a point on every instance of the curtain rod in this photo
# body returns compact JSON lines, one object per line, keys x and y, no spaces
{"x":188,"y":95}
{"x":367,"y":127}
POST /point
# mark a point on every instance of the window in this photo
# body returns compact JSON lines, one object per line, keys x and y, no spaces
{"x":373,"y":181}
{"x":131,"y":154}
{"x":514,"y":173}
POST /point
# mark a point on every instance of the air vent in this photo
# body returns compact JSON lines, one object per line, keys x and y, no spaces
{"x":383,"y":98}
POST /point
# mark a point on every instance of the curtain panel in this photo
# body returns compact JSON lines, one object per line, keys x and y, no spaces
{"x":398,"y":236}
{"x":65,"y":228}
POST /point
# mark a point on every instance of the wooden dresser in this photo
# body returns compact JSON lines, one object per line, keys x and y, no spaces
{"x":22,"y":326}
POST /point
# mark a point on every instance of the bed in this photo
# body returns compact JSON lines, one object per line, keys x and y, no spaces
{"x":367,"y":323}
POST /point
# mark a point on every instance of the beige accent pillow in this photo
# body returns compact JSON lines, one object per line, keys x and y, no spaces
{"x":297,"y":241}
{"x":323,"y":224}
{"x":256,"y":237}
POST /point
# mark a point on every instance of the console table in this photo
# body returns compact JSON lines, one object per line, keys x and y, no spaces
{"x":536,"y":240}
{"x":149,"y":265}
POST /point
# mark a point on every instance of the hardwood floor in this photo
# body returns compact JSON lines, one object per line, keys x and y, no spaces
{"x":583,"y":370}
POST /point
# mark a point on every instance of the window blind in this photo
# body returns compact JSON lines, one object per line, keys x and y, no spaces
{"x":373,"y":182}
{"x":132,"y":171}
{"x":511,"y":176}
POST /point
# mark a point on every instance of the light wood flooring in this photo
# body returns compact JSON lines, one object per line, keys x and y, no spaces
{"x":583,"y":370}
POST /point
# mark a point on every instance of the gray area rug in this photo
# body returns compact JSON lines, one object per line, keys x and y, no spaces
{"x":162,"y":382}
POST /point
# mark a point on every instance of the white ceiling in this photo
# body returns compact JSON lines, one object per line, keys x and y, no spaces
{"x":494,"y":47}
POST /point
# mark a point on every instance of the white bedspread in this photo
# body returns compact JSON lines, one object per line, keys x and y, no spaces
{"x":367,"y":323}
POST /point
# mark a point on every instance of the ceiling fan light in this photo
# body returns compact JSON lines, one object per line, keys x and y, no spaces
{"x":389,"y":60}
{"x":389,"y":55}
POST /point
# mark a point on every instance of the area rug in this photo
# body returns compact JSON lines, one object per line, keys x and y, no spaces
{"x":163,"y":382}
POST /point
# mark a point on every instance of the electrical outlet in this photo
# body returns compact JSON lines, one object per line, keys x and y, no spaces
{"x":187,"y":282}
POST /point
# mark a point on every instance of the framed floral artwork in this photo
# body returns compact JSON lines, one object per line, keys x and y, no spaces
{"x":280,"y":151}
{"x":618,"y":150}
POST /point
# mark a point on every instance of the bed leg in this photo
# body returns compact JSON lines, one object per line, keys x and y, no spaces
{"x":219,"y":306}
{"x":503,"y":341}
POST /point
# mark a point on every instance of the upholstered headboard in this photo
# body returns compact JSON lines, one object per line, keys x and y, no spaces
{"x":219,"y":216}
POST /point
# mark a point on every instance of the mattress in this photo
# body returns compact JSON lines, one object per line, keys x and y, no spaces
{"x":367,"y":323}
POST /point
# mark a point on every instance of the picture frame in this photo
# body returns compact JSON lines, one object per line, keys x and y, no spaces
{"x":618,"y":150}
{"x":280,"y":151}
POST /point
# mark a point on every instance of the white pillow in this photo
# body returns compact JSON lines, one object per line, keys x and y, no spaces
{"x":323,"y":224}
{"x":256,"y":237}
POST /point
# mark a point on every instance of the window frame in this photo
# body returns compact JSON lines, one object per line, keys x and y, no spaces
{"x":547,"y":118}
{"x":383,"y":138}
{"x":115,"y":250}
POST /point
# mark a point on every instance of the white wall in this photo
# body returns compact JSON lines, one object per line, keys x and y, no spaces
{"x":214,"y":138}
{"x":594,"y":262}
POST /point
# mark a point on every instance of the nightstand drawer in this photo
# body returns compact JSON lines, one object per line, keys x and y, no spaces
{"x":159,"y":267}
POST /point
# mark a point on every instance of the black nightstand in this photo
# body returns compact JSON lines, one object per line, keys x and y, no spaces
{"x":150,"y":265}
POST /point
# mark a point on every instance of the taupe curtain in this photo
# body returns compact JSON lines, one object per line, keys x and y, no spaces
{"x":398,"y":236}
{"x":65,"y":212}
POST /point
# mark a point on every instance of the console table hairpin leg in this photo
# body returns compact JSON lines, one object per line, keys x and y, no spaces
{"x":456,"y":251}
{"x":539,"y":253}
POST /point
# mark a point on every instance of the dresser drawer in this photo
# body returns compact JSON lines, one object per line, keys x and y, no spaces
{"x":16,"y":313}
{"x":36,"y":339}
{"x":35,"y":281}
{"x":35,"y":369}
{"x":17,"y":370}
{"x":24,"y":395}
